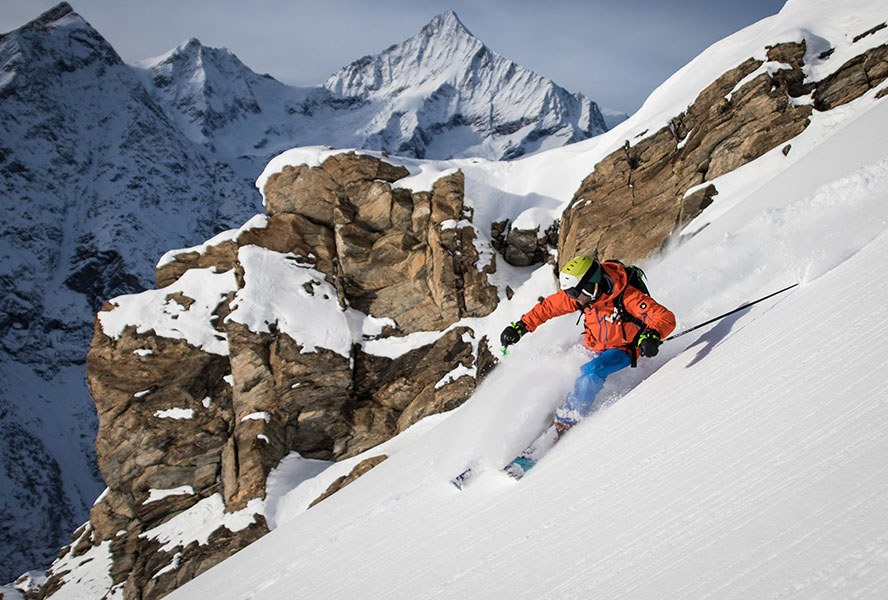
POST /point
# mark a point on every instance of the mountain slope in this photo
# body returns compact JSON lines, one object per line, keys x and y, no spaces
{"x":106,"y":166}
{"x":746,"y":461}
{"x":812,"y":208}
{"x":96,"y":184}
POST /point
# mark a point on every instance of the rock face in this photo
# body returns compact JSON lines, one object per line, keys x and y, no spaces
{"x":185,"y":422}
{"x":360,"y":469}
{"x":406,"y":256}
{"x":637,"y":197}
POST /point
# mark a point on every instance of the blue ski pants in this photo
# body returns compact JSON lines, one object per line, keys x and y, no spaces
{"x":579,"y":402}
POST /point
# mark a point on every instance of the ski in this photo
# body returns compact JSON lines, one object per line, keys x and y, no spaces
{"x":518,"y":466}
{"x":530,"y":456}
{"x":463,"y":479}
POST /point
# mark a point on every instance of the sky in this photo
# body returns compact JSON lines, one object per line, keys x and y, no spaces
{"x":615,"y":53}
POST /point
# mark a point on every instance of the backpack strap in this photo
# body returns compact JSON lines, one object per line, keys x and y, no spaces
{"x":625,"y":315}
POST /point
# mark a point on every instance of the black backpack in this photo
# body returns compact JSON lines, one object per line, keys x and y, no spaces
{"x":636,"y":277}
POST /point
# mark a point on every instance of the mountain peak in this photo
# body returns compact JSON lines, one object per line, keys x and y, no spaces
{"x":54,"y":14}
{"x":190,"y":45}
{"x":445,"y":24}
{"x":57,"y":39}
{"x":449,"y":82}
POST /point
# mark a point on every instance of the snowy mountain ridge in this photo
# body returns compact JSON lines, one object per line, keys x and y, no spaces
{"x":438,"y":95}
{"x":445,"y":78}
{"x":186,"y":78}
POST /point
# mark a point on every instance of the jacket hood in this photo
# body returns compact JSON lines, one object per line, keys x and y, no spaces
{"x":618,"y":275}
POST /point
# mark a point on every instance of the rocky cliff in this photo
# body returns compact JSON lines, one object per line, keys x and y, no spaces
{"x":641,"y":196}
{"x":202,"y":388}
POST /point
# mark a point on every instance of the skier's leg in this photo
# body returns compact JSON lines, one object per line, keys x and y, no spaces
{"x":579,"y":402}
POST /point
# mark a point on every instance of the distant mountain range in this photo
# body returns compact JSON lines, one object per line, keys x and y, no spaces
{"x":105,"y":166}
{"x":441,"y":94}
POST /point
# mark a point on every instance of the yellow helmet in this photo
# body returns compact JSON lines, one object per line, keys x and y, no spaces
{"x":581,"y":274}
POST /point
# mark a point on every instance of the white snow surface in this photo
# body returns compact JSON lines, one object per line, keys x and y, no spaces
{"x":281,"y":291}
{"x":158,"y":495}
{"x":159,"y":310}
{"x":747,"y":460}
{"x":175,"y":413}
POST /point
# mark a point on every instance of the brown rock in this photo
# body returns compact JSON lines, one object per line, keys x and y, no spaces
{"x":853,"y":79}
{"x":635,"y":199}
{"x":389,"y":252}
{"x":360,"y":469}
{"x":310,"y":192}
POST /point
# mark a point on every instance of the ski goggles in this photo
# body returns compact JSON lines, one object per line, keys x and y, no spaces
{"x":574,"y":293}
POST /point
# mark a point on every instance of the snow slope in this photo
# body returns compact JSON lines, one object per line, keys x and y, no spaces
{"x":746,"y":461}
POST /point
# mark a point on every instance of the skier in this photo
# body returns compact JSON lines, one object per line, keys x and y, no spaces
{"x":621,"y":322}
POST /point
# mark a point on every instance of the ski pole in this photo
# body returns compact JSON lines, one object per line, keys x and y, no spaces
{"x":739,"y":308}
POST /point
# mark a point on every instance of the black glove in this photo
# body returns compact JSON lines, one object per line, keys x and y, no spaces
{"x":513,"y":333}
{"x":649,"y":343}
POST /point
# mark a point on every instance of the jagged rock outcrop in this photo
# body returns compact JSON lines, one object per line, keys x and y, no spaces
{"x":525,"y":247}
{"x":637,"y":197}
{"x":409,"y":257}
{"x":340,"y":482}
{"x":854,"y":78}
{"x":202,"y":388}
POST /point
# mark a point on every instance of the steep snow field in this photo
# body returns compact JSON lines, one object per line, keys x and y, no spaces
{"x":748,"y":460}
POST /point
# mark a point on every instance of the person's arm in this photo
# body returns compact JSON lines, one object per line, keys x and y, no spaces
{"x":658,"y":320}
{"x":552,"y":306}
{"x":653,"y":314}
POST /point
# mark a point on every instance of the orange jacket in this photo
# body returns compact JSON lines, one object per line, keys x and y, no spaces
{"x":604,"y":329}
